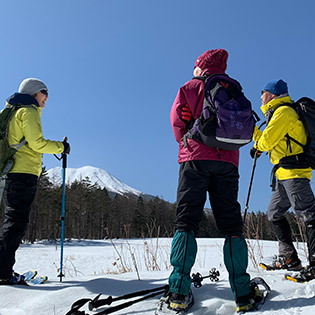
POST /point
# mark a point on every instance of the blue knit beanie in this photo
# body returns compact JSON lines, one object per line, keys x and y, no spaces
{"x":276,"y":87}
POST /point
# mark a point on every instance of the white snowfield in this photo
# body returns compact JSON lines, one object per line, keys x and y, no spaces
{"x":93,"y":267}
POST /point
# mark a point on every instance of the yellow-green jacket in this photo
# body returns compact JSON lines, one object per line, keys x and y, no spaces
{"x":26,"y":122}
{"x":284,"y":121}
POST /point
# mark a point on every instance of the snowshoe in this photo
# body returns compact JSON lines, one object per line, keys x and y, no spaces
{"x":281,"y":263}
{"x":172,"y":303}
{"x":256,"y":298}
{"x":305,"y":275}
{"x":30,"y":277}
{"x":38,"y":280}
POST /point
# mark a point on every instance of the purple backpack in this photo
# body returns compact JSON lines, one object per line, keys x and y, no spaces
{"x":227,"y":119}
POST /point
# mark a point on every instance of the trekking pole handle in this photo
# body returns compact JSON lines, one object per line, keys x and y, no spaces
{"x":64,"y":155}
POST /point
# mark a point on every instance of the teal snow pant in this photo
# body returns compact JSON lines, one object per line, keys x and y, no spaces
{"x":183,"y":255}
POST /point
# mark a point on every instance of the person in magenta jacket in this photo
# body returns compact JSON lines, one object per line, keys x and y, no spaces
{"x":188,"y":105}
{"x":205,"y":170}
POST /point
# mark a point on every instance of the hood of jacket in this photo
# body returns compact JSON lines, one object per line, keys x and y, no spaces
{"x":23,"y":99}
{"x":274,"y":103}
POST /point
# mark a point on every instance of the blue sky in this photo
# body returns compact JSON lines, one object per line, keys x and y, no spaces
{"x":113,"y":69}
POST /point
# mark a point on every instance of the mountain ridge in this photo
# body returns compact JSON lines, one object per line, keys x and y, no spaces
{"x":96,"y":176}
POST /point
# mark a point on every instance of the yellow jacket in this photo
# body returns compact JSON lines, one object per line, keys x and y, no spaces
{"x":26,"y":122}
{"x":284,"y":121}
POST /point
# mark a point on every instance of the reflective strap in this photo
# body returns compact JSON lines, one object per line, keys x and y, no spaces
{"x":2,"y":186}
{"x":185,"y":140}
{"x":18,"y":145}
{"x":273,"y":178}
{"x":236,"y":141}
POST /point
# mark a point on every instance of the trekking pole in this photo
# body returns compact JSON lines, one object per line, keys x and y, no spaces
{"x":250,"y":186}
{"x":252,"y":176}
{"x":127,"y":304}
{"x":96,"y":302}
{"x":64,"y":166}
{"x":196,"y":280}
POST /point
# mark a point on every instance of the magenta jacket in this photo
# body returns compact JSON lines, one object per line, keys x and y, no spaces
{"x":192,"y":94}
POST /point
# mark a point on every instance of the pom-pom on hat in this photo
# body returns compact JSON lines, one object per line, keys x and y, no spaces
{"x":214,"y":60}
{"x":31,"y":86}
{"x":276,"y":87}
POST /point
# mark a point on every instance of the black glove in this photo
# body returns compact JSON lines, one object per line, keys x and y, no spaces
{"x":253,"y":151}
{"x":66,"y":146}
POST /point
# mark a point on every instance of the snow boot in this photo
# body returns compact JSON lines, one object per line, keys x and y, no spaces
{"x":173,"y":303}
{"x":291,"y":264}
{"x":181,"y":302}
{"x":16,"y":279}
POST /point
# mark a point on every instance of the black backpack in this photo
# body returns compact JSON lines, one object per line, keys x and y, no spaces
{"x":227,"y":119}
{"x":7,"y":152}
{"x":305,"y":108}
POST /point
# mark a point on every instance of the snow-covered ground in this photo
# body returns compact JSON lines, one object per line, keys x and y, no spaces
{"x":93,"y":267}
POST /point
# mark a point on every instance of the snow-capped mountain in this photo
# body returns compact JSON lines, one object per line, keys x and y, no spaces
{"x":95,"y":175}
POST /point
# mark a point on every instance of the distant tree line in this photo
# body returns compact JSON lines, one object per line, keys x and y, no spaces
{"x":92,"y":214}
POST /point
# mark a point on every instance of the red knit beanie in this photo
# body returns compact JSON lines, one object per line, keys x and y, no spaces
{"x":214,"y":60}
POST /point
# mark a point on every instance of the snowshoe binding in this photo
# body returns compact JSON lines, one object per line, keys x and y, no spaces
{"x":281,"y":263}
{"x":305,"y":275}
{"x":257,"y":297}
{"x":172,"y":303}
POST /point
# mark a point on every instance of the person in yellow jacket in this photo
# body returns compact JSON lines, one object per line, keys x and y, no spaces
{"x":21,"y":182}
{"x":291,"y":173}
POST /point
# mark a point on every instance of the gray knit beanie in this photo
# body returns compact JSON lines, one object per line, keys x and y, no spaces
{"x":31,"y":86}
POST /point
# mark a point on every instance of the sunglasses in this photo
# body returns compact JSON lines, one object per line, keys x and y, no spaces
{"x":44,"y":92}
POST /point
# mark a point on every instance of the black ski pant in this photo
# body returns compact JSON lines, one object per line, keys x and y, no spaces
{"x":296,"y":193}
{"x":220,"y":180}
{"x":20,"y":193}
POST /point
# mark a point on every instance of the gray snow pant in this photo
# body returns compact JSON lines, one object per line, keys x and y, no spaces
{"x":295,"y":193}
{"x":21,"y":189}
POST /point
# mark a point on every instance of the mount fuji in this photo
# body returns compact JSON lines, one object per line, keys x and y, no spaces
{"x":96,"y":176}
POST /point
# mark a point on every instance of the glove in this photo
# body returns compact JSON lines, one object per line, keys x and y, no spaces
{"x":186,"y":113}
{"x":254,"y":151}
{"x":66,"y":146}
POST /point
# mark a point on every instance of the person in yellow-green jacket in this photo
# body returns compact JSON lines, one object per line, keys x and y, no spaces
{"x":291,"y":175}
{"x":21,"y":182}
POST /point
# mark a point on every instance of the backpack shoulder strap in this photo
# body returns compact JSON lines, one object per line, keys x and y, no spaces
{"x":14,"y":108}
{"x":289,"y":138}
{"x":202,"y":78}
{"x":270,"y":112}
